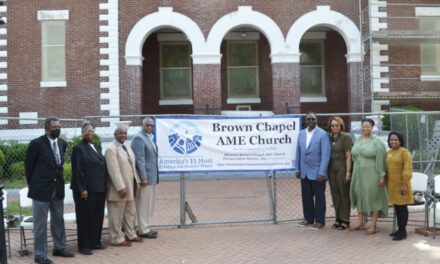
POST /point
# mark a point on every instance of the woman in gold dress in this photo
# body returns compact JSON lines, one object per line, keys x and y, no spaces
{"x":399,"y":173}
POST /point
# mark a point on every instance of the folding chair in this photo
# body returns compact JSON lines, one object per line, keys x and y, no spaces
{"x":27,"y":221}
{"x":419,"y":184}
{"x":434,"y":214}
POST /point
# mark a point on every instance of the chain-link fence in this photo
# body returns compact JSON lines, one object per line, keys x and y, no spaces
{"x":233,"y":197}
{"x":13,"y":145}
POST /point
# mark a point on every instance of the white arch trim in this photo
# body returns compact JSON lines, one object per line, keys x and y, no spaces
{"x":245,"y":16}
{"x":165,"y":17}
{"x":323,"y":16}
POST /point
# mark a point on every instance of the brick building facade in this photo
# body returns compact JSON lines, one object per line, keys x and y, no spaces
{"x":112,"y":57}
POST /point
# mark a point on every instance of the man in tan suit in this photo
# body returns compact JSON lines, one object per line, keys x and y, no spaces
{"x":120,"y":198}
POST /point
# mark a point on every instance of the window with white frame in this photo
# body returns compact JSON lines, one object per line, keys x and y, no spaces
{"x":243,"y":70}
{"x":175,"y":71}
{"x":430,"y":52}
{"x":312,"y":68}
{"x":53,"y":47}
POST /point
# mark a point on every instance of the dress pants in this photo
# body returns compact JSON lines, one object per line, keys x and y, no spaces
{"x":145,"y":198}
{"x":313,"y":200}
{"x":40,"y":212}
{"x":121,"y":219}
{"x":89,"y":219}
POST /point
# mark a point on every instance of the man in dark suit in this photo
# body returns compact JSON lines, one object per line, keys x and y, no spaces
{"x":89,"y":185}
{"x":44,"y":175}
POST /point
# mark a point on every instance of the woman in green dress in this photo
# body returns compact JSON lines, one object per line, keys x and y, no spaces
{"x":367,"y":192}
{"x":340,"y":171}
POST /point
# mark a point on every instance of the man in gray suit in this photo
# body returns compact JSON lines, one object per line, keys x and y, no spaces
{"x":312,"y":159}
{"x":145,"y":151}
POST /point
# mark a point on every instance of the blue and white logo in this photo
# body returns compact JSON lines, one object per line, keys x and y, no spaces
{"x":185,"y":138}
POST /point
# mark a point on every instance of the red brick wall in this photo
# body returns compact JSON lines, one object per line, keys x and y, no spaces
{"x":286,"y":98}
{"x":206,"y":89}
{"x":405,"y":55}
{"x":81,"y":97}
{"x":283,"y":12}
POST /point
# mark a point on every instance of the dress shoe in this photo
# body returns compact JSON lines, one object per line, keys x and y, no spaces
{"x":85,"y":251}
{"x":99,"y":247}
{"x":399,"y":237}
{"x":136,"y":239}
{"x":318,"y":225}
{"x":150,"y":235}
{"x":62,"y":253}
{"x":43,"y":261}
{"x":304,"y":223}
{"x":154,"y":232}
{"x":393,"y":234}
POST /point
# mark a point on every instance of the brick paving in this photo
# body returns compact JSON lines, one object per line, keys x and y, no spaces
{"x":261,"y":243}
{"x":244,"y":200}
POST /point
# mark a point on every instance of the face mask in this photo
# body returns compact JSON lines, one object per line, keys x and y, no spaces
{"x":55,"y":133}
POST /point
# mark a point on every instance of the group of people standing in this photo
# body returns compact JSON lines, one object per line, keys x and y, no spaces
{"x":125,"y":177}
{"x":362,"y":175}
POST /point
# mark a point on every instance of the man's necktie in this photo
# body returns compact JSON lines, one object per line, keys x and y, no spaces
{"x":126,"y":151}
{"x":151,"y":138}
{"x":55,"y":153}
{"x":124,"y":148}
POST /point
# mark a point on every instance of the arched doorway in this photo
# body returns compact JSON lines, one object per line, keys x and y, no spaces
{"x":167,"y":85}
{"x":323,"y":72}
{"x":246,"y":72}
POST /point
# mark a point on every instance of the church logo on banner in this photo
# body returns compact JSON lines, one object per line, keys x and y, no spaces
{"x":185,"y":138}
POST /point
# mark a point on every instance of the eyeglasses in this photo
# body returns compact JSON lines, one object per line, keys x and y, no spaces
{"x":310,"y":118}
{"x":150,"y":125}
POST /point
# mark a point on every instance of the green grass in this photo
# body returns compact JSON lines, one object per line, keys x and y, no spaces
{"x":13,"y":183}
{"x":14,"y":209}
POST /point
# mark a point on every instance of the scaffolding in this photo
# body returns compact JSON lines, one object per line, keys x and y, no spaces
{"x":402,"y":46}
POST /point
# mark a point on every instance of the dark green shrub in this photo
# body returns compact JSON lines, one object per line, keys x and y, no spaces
{"x":14,"y":152}
{"x":2,"y":162}
{"x":18,"y":173}
{"x":17,"y":170}
{"x":67,"y":172}
{"x":386,"y":122}
{"x":407,"y":124}
{"x":71,"y":143}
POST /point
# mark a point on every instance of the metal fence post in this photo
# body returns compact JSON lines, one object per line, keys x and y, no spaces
{"x":269,"y":178}
{"x":3,"y":254}
{"x":182,"y":200}
{"x":274,"y":188}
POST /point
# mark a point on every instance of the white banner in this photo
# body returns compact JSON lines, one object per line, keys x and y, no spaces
{"x":219,"y":143}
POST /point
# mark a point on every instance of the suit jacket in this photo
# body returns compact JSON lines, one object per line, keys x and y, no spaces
{"x":121,"y":169}
{"x":146,"y":158}
{"x":89,"y":171}
{"x":313,"y":161}
{"x":43,"y":175}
